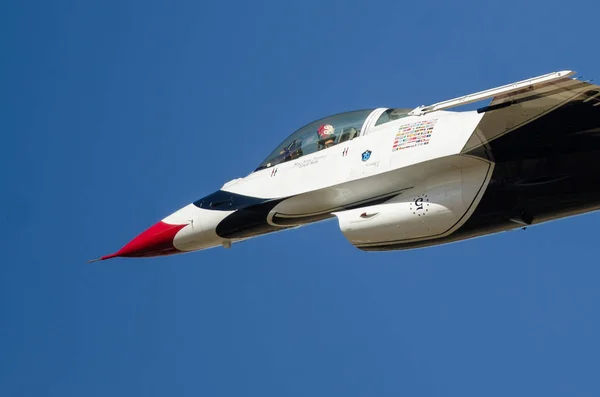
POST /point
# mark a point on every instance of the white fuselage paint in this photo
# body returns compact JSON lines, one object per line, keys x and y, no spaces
{"x":329,"y":180}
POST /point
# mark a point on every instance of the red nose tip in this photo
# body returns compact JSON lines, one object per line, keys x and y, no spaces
{"x":155,"y":241}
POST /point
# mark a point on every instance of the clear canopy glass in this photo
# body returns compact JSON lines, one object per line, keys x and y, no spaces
{"x":391,"y":115}
{"x":318,"y":135}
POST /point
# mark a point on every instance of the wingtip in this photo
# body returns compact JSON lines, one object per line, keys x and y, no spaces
{"x":566,"y":73}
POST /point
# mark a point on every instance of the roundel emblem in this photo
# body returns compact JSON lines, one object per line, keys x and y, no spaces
{"x":420,"y":205}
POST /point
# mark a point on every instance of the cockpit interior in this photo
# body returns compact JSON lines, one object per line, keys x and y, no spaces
{"x":327,"y":132}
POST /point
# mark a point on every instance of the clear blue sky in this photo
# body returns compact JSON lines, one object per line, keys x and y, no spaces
{"x":115,"y":113}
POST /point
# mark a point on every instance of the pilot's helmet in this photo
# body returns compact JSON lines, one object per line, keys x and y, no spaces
{"x":325,"y":130}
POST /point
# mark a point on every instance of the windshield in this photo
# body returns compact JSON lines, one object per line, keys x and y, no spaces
{"x":318,"y":135}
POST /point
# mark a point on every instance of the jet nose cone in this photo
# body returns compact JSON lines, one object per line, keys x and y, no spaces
{"x":155,"y":241}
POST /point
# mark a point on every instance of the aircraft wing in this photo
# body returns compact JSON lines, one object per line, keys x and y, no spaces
{"x":509,"y":111}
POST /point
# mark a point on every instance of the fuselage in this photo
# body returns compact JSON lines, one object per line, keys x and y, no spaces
{"x":396,"y":181}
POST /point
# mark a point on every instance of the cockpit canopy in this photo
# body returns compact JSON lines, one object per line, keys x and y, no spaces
{"x":324,"y":133}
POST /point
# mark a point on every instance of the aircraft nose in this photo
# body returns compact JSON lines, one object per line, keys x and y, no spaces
{"x":157,"y":240}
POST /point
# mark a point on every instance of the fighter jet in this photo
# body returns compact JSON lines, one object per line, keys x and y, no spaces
{"x":405,"y":178}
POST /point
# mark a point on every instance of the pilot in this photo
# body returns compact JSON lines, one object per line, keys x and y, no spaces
{"x":326,"y":134}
